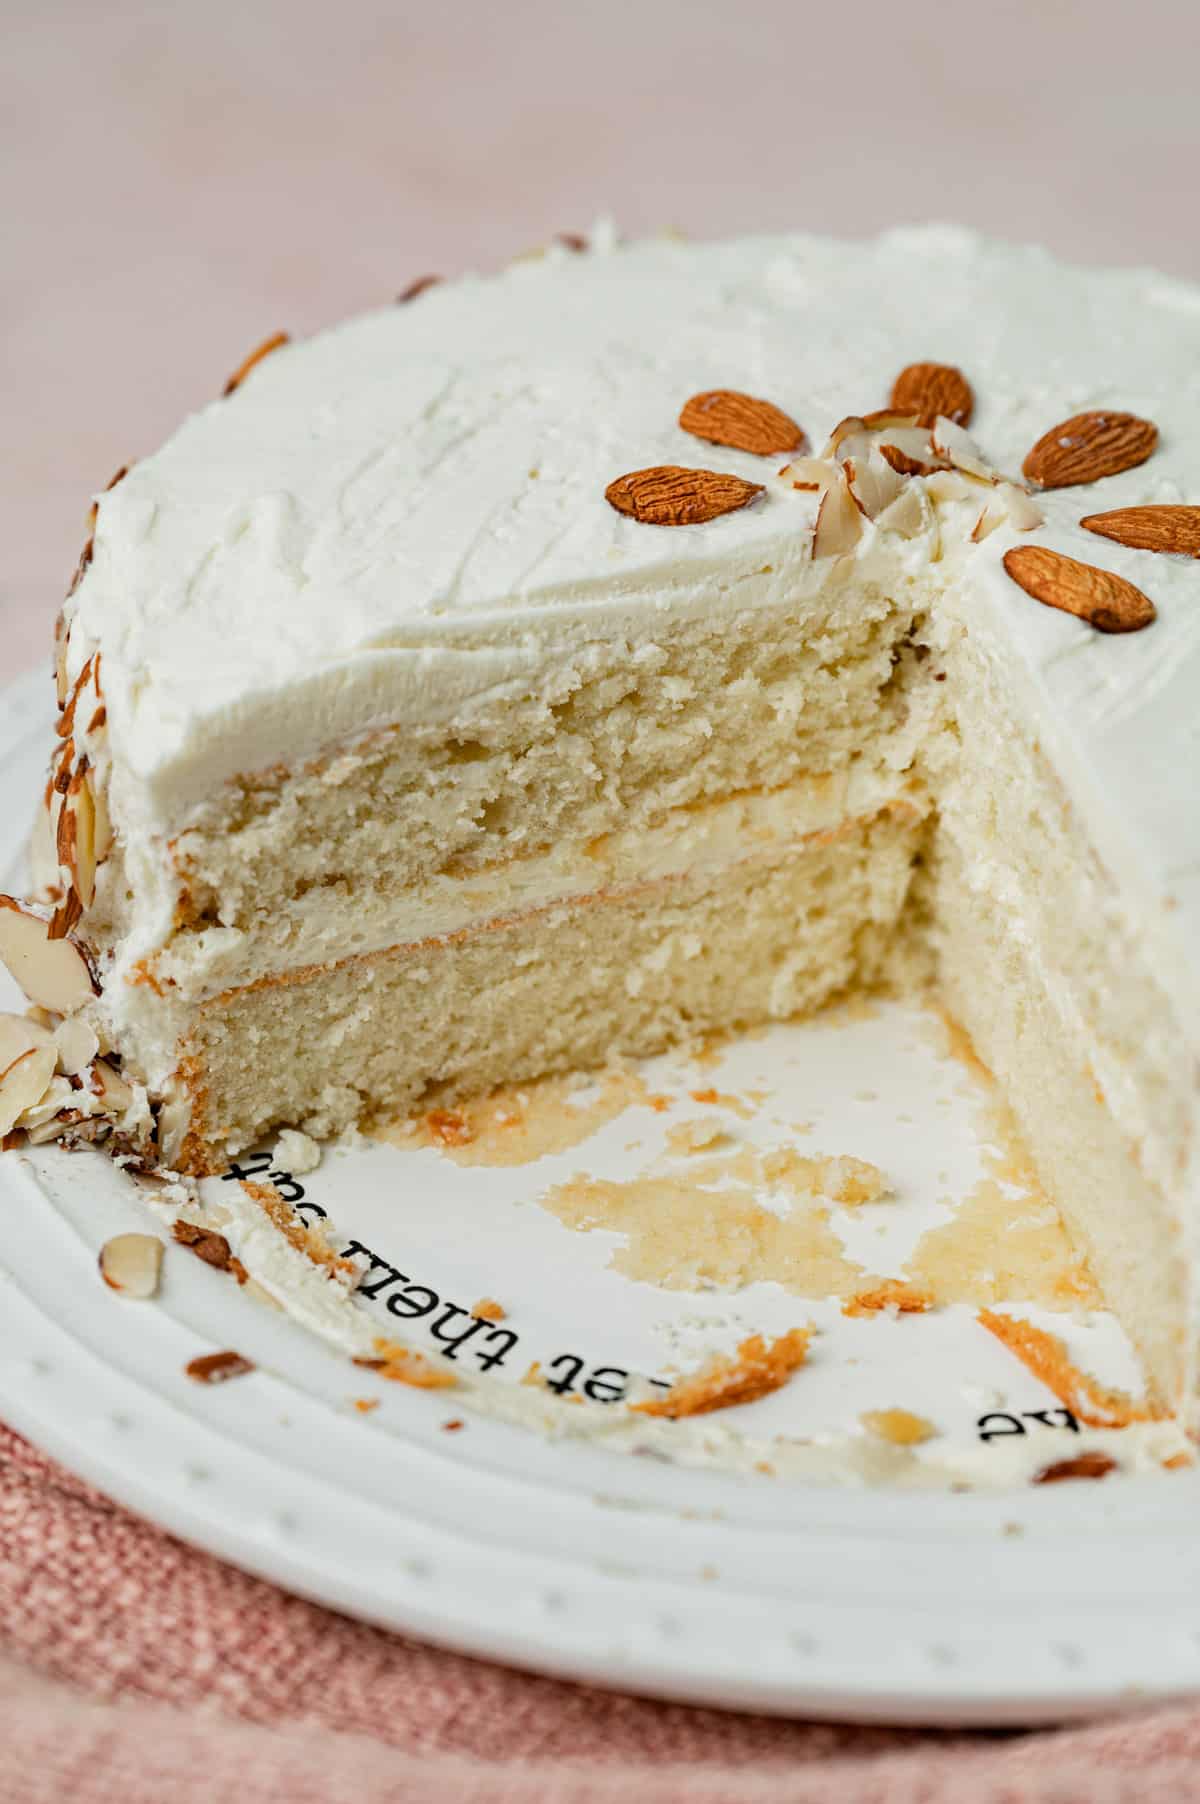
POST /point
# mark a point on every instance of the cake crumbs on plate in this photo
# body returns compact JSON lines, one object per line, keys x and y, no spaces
{"x":696,"y":1136}
{"x":755,"y":1370}
{"x":1045,"y":1355}
{"x":900,"y":1426}
{"x":488,"y":1310}
{"x":404,"y":1365}
{"x":892,"y":1293}
{"x":364,"y":1405}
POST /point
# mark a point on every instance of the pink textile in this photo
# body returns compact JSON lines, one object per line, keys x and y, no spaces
{"x":134,"y":1670}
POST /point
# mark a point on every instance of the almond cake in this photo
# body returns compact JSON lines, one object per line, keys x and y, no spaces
{"x":646,"y":640}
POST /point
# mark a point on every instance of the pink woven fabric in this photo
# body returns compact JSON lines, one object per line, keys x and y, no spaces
{"x":136,"y":1671}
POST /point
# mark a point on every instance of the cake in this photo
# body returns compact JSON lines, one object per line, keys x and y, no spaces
{"x":644,"y":641}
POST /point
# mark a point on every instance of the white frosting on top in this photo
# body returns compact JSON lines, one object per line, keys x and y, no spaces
{"x":400,"y":517}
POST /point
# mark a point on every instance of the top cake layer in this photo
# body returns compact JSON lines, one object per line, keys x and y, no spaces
{"x":403,"y":516}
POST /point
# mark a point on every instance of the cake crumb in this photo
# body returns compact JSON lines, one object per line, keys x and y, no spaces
{"x":404,"y":1365}
{"x":723,"y":1099}
{"x":533,"y":1376}
{"x":449,"y":1127}
{"x":696,"y":1136}
{"x":900,"y":1426}
{"x":453,"y":1426}
{"x":296,"y":1152}
{"x":758,"y":1368}
{"x":1044,"y":1354}
{"x":364,"y":1405}
{"x":893,"y":1293}
{"x":488,"y":1310}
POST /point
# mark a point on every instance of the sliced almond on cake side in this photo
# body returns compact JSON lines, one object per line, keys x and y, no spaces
{"x":725,"y":416}
{"x":669,"y":495}
{"x":76,"y":1045}
{"x":131,"y":1264}
{"x":19,"y":1035}
{"x":930,"y":389}
{"x":1150,"y":528}
{"x":1101,"y":597}
{"x":53,"y":972}
{"x":274,"y":343}
{"x":24,"y":1083}
{"x":417,"y":286}
{"x":1089,"y":446}
{"x":110,"y":1087}
{"x":62,"y":640}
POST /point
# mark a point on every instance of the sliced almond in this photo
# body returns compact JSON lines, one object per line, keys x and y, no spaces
{"x":808,"y":473}
{"x":80,"y":800}
{"x":24,"y":1083}
{"x":65,"y":916}
{"x":668,"y":495}
{"x":1089,"y":446}
{"x":276,"y":340}
{"x":62,"y":638}
{"x":54,"y":973}
{"x":43,"y":847}
{"x":111,"y":1087}
{"x":991,"y":516}
{"x":77,"y":1045}
{"x":873,"y":484}
{"x":725,"y":416}
{"x":1175,"y":529}
{"x":853,"y":426}
{"x":1105,"y":600}
{"x":950,"y":441}
{"x":174,"y":1118}
{"x":19,"y":1035}
{"x":131,"y":1263}
{"x":103,"y":822}
{"x":417,"y":286}
{"x":1022,"y":510}
{"x":899,"y":1426}
{"x":930,"y":389}
{"x":839,"y":523}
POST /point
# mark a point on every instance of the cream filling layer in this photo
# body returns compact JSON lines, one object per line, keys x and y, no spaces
{"x":146,"y":1008}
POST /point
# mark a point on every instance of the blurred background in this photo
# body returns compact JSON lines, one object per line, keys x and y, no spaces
{"x":182,"y":178}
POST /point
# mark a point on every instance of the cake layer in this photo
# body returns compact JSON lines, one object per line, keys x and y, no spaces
{"x":612,"y":740}
{"x":566,"y":987}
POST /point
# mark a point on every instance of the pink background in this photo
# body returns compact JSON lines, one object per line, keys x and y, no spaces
{"x":181,"y":179}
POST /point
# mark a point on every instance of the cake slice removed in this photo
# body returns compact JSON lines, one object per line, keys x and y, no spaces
{"x":500,"y":683}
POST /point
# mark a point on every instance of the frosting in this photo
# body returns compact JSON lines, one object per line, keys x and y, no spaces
{"x":405,"y":515}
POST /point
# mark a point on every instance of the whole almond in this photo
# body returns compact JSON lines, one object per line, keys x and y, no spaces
{"x":1105,"y":600}
{"x":1089,"y":446}
{"x":723,"y":416}
{"x":1150,"y":528}
{"x":668,"y":495}
{"x":930,"y":389}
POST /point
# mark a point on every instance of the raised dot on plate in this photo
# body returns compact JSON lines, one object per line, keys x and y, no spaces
{"x":1067,"y":1654}
{"x":669,"y":1627}
{"x":553,"y":1602}
{"x":417,"y":1568}
{"x":941,"y":1655}
{"x":804,"y":1644}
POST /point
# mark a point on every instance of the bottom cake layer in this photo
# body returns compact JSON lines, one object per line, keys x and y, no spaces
{"x":628,"y":972}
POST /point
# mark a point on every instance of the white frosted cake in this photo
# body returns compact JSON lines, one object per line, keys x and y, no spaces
{"x":508,"y":679}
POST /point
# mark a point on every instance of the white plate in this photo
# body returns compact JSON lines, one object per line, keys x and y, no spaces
{"x":713,"y":1586}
